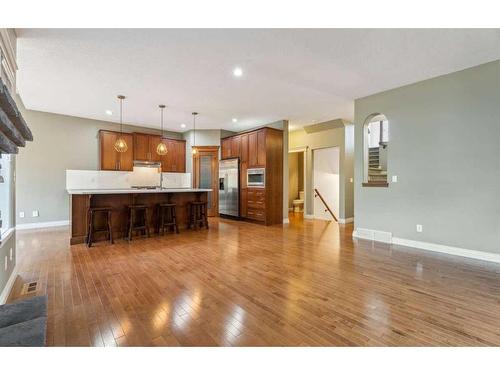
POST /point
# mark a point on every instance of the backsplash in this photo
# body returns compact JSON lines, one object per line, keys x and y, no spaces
{"x":141,"y":176}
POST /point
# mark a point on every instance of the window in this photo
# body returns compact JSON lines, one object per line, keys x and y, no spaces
{"x":376,"y":142}
{"x":6,"y":193}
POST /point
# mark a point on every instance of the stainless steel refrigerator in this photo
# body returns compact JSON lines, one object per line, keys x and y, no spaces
{"x":229,"y":187}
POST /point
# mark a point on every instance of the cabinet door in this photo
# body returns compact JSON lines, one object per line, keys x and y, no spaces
{"x":141,"y":147}
{"x":154,"y":141}
{"x":235,"y":146}
{"x":252,"y":150}
{"x":261,"y":148}
{"x":243,"y":202}
{"x":109,"y":156}
{"x":244,"y":148}
{"x":167,"y":160}
{"x":180,"y":156}
{"x":226,"y":148}
{"x":126,"y":159}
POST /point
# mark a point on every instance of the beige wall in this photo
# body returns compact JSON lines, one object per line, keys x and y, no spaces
{"x":296,"y":176}
{"x":60,"y":143}
{"x":338,"y":136}
{"x":293,"y":177}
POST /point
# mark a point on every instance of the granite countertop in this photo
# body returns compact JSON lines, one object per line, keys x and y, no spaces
{"x":135,"y":191}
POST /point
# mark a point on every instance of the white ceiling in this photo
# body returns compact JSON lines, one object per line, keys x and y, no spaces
{"x":303,"y":75}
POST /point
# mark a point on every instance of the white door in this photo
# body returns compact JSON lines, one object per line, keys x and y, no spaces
{"x":326,"y":179}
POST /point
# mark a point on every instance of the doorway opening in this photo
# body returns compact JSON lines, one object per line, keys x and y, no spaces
{"x":375,"y":150}
{"x":296,"y":182}
{"x":326,"y":182}
{"x":206,"y":174}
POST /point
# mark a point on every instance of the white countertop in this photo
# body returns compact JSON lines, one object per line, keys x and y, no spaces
{"x":135,"y":191}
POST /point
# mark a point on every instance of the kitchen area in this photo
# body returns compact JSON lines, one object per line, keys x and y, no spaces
{"x":142,"y":186}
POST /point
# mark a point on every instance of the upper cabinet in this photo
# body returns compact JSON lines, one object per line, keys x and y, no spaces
{"x":175,"y":159}
{"x":226,"y":148}
{"x":145,"y":147}
{"x":111,"y":160}
{"x":257,"y":149}
{"x":141,"y":147}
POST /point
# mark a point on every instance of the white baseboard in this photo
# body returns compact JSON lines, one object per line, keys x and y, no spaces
{"x":8,"y":286}
{"x":307,"y":216}
{"x":286,"y":221}
{"x":43,"y":224}
{"x":346,"y":220}
{"x":451,"y":250}
{"x":386,"y":237}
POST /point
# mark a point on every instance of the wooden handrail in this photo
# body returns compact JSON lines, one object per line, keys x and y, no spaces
{"x":322,"y":200}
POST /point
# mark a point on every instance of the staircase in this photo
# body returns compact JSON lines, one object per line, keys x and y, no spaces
{"x":375,"y":171}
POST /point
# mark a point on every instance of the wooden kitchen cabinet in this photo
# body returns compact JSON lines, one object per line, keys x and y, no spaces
{"x":226,"y":148}
{"x":175,"y":159}
{"x":145,"y":147}
{"x":235,"y":146}
{"x":111,"y":160}
{"x":262,"y":148}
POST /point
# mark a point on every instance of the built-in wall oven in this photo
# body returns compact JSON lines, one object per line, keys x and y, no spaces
{"x":256,"y":177}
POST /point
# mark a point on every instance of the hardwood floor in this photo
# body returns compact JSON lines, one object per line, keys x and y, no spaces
{"x":308,"y":283}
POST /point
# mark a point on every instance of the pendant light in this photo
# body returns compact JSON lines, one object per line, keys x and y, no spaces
{"x":161,"y":149}
{"x":194,"y":132}
{"x":120,"y":144}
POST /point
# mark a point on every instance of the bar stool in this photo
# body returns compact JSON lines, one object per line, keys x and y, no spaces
{"x":137,"y":211}
{"x":197,"y":214}
{"x":168,"y":217}
{"x":92,"y":214}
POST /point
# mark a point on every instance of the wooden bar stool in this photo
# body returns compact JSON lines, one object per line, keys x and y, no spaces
{"x":167,"y":217}
{"x":197,"y":215}
{"x":137,"y":219}
{"x":92,"y":229}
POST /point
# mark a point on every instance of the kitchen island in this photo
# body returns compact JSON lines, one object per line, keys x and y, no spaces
{"x":118,"y":199}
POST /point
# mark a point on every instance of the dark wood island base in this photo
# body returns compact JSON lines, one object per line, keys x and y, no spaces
{"x":80,"y":204}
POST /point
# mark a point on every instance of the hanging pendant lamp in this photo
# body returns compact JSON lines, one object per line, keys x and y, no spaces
{"x":120,"y":144}
{"x":161,"y":149}
{"x":194,"y":132}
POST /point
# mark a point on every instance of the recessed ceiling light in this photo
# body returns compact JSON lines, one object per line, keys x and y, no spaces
{"x":183,"y":125}
{"x":235,"y":120}
{"x":237,"y":72}
{"x":109,"y":112}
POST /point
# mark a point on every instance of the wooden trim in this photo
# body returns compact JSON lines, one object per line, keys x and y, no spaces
{"x":326,"y":205}
{"x":252,"y":130}
{"x":206,"y":148}
{"x":375,"y":184}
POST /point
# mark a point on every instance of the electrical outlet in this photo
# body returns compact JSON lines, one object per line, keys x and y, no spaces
{"x":11,"y":254}
{"x":6,"y":263}
{"x":419,"y":228}
{"x":394,"y":178}
{"x":35,"y":213}
{"x":21,"y":214}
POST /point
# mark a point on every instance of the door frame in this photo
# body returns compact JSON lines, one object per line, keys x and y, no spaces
{"x":304,"y":150}
{"x":213,"y":151}
{"x":341,"y":172}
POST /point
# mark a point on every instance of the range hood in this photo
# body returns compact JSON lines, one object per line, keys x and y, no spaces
{"x":147,"y":164}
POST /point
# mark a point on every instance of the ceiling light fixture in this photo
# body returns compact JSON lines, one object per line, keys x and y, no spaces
{"x":109,"y":112}
{"x":120,"y":144}
{"x":161,"y":149}
{"x":237,"y":72}
{"x":194,"y":133}
{"x":183,"y":126}
{"x":235,"y":120}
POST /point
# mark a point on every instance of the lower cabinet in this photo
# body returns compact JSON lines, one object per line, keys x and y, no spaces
{"x":256,"y":214}
{"x":256,"y":204}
